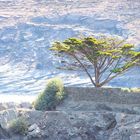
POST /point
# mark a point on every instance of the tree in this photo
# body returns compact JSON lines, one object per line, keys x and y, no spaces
{"x":109,"y":57}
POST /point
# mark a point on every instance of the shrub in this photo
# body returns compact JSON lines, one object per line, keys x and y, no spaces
{"x":18,"y":126}
{"x":133,"y":90}
{"x":51,"y":96}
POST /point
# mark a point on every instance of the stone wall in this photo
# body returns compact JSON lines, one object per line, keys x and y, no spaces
{"x":113,"y":95}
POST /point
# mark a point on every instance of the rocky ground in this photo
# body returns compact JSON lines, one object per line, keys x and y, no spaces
{"x":113,"y":116}
{"x":28,"y":27}
{"x":99,"y":124}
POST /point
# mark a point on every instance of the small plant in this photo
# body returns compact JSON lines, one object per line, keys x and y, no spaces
{"x":51,"y":96}
{"x":133,"y":90}
{"x":18,"y":126}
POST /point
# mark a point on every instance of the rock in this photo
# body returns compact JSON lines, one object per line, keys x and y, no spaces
{"x":127,"y":127}
{"x":74,"y":125}
{"x":104,"y":121}
{"x":11,"y":105}
{"x":26,"y":105}
{"x":122,"y":133}
{"x":135,"y":137}
{"x":32,"y":116}
{"x":34,"y":131}
{"x":137,"y":109}
{"x":6,"y":116}
{"x":33,"y":127}
{"x":18,"y":137}
{"x":3,"y":133}
{"x":3,"y":106}
{"x":76,"y":138}
{"x":103,"y":107}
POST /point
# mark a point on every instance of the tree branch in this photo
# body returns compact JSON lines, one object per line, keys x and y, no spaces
{"x":84,"y":68}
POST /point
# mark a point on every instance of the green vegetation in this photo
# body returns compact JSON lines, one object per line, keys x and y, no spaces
{"x":18,"y":126}
{"x":51,"y":96}
{"x":108,"y":57}
{"x":133,"y":90}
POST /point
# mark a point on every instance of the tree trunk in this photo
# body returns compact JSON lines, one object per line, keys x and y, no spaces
{"x":98,"y":85}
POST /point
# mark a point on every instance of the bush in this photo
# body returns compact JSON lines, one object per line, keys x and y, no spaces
{"x":51,"y":96}
{"x":18,"y":126}
{"x":133,"y":90}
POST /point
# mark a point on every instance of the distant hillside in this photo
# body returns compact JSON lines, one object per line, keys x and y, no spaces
{"x":28,"y":27}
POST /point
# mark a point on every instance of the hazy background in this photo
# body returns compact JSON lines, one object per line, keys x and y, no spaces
{"x":28,"y":27}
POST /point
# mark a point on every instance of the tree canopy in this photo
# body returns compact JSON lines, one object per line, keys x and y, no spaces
{"x":109,"y":57}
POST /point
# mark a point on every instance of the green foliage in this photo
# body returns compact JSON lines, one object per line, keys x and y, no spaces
{"x":133,"y":90}
{"x":51,"y":96}
{"x":107,"y":55}
{"x":18,"y":126}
